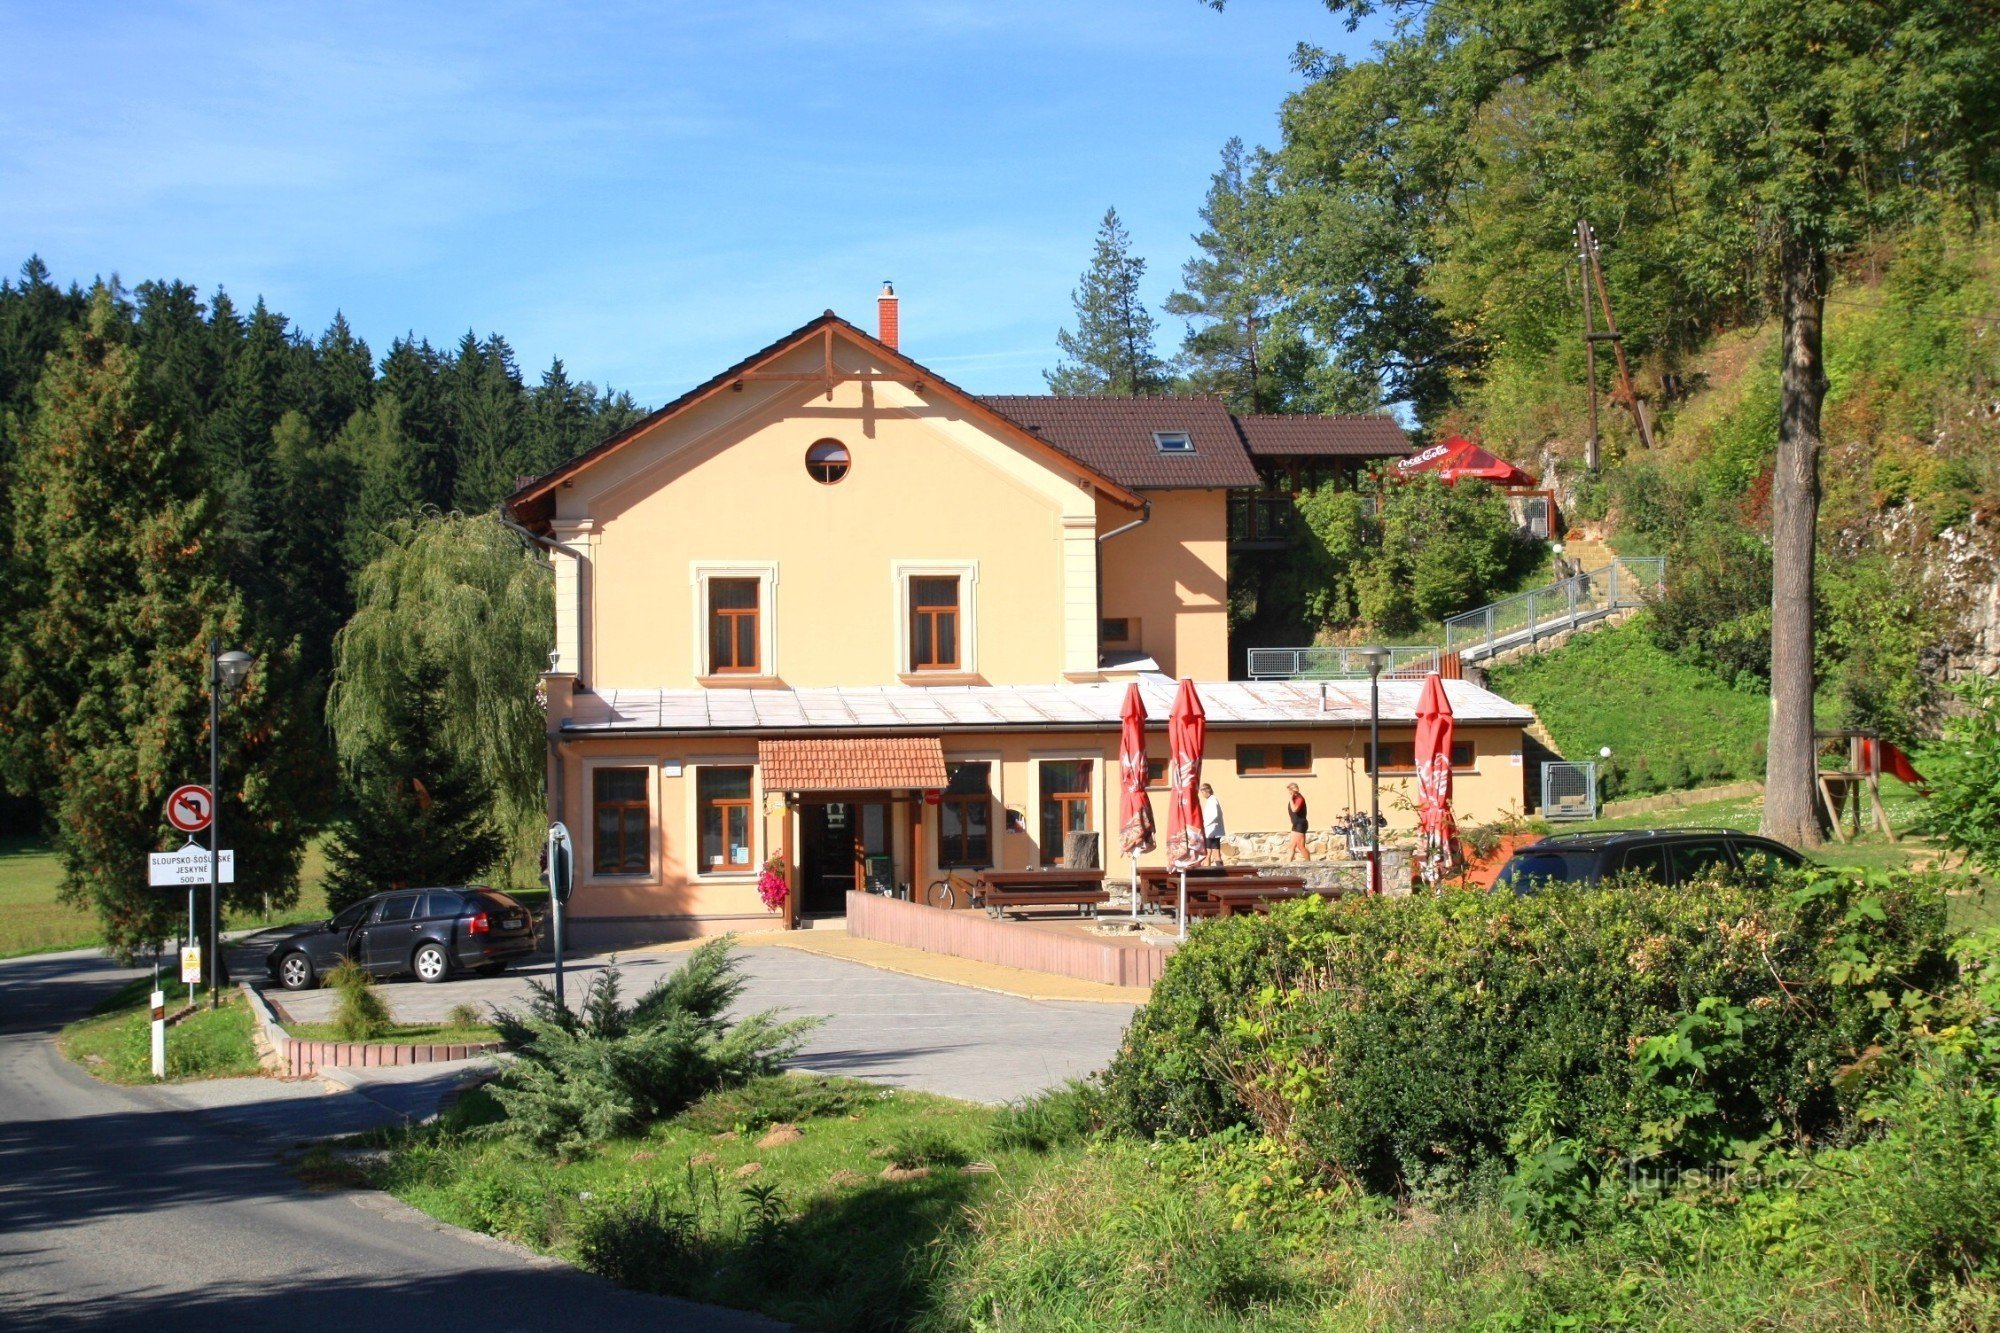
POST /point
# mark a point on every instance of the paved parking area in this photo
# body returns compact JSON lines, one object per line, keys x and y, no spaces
{"x":908,"y":1031}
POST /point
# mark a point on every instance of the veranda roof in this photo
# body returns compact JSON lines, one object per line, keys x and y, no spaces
{"x":936,"y":709}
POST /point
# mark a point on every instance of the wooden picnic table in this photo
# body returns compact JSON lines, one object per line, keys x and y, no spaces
{"x":1160,"y":887}
{"x":1050,"y":886}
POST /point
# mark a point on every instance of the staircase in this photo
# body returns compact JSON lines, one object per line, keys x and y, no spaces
{"x":1601,"y":594}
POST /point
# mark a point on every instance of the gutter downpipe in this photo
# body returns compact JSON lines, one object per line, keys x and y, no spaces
{"x":558,"y":778}
{"x":1145,"y":516}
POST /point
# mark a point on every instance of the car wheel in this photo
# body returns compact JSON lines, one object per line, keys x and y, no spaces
{"x":430,"y":963}
{"x":295,"y":972}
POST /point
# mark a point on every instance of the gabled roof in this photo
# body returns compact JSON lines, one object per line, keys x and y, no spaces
{"x":533,"y":504}
{"x":1115,"y":436}
{"x":1371,"y":436}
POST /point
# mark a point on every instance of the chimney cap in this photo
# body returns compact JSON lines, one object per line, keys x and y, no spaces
{"x":888,"y":287}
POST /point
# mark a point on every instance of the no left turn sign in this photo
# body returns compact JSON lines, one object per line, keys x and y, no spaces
{"x":190,"y":808}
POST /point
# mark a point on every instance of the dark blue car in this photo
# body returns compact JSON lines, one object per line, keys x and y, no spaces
{"x":431,"y":932}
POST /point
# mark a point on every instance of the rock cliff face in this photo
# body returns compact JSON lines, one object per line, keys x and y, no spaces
{"x":1965,"y":562}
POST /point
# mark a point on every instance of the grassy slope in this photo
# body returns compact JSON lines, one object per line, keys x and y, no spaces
{"x":116,"y":1043}
{"x":1669,"y":725}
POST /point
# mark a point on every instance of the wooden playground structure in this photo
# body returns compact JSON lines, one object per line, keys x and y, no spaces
{"x":1841,"y":789}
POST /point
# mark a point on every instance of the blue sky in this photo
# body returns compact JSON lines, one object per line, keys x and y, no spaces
{"x":648,"y":191}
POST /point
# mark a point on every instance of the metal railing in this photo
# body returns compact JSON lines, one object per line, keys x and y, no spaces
{"x":1627,"y":581}
{"x":1569,"y":791}
{"x":1336,"y":663}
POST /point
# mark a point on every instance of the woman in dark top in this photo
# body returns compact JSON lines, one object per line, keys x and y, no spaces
{"x":1295,"y":805}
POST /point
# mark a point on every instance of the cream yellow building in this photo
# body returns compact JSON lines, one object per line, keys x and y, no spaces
{"x":829,"y":608}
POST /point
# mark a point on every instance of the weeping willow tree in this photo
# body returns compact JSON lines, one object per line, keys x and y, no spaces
{"x":461,"y":602}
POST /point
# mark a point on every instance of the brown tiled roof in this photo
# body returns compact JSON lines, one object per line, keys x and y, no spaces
{"x":853,"y":763}
{"x":1114,"y":436}
{"x":1371,"y":436}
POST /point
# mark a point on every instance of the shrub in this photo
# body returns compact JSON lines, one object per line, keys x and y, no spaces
{"x":1404,"y":1042}
{"x":1068,"y":1114}
{"x":360,"y":1014}
{"x":778,"y":1099}
{"x":1964,"y":774}
{"x":582,"y":1078}
{"x":463,"y":1016}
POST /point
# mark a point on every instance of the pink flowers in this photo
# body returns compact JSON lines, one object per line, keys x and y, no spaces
{"x":772,"y":885}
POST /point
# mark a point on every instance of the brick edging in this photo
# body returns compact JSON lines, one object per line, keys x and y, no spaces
{"x":301,"y":1059}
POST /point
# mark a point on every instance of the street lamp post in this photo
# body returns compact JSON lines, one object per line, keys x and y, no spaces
{"x":225,"y":674}
{"x":1376,"y":658}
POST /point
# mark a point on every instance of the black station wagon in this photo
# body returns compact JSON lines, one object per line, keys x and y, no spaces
{"x":431,"y":932}
{"x":1665,"y":856}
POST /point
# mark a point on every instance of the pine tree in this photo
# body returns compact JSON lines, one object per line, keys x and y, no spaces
{"x":413,"y":375}
{"x":343,"y":379}
{"x":422,"y":814}
{"x":382,"y":462}
{"x":488,"y":407}
{"x":104,"y":700}
{"x":1111,"y":351}
{"x":1234,"y":346}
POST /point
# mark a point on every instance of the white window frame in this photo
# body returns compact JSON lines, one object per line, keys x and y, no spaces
{"x":583,"y":865}
{"x":766,"y":574}
{"x":1186,"y":445}
{"x":967,"y":573}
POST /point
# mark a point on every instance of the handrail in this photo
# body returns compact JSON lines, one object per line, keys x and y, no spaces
{"x":1333,"y":663}
{"x":1628,"y":581}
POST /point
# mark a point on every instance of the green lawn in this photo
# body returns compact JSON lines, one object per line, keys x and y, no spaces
{"x":115,"y":1044}
{"x":31,"y":920}
{"x":835,"y":1221}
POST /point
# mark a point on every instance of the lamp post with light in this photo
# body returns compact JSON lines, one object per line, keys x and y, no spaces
{"x":1376,"y":658}
{"x":225,"y":676}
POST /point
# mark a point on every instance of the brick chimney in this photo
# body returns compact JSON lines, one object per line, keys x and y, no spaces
{"x":886,"y":320}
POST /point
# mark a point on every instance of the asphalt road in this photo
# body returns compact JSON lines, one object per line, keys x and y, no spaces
{"x":119,"y":1210}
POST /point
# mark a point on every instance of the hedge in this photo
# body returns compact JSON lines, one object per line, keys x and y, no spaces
{"x":1423,"y":1040}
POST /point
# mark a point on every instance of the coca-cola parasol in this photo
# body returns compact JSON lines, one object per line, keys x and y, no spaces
{"x":1455,"y":456}
{"x":1187,"y":837}
{"x":1434,"y":822}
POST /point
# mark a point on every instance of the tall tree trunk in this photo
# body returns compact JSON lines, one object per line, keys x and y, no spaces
{"x":1791,"y":799}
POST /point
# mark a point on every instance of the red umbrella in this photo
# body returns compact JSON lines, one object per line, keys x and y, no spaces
{"x":1434,"y":724}
{"x":1455,"y":456}
{"x":1135,"y":808}
{"x":1187,"y":728}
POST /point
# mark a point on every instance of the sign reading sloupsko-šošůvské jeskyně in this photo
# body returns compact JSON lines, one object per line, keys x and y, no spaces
{"x":188,"y":866}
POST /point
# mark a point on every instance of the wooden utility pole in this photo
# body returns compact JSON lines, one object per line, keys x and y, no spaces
{"x":1590,"y":446}
{"x":1624,"y":395}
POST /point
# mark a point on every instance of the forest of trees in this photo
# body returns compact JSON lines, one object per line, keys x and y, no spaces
{"x":174,"y":469}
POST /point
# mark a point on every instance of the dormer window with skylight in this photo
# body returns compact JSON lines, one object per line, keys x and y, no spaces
{"x":1173,"y":441}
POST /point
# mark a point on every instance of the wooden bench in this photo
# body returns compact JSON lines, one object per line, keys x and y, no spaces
{"x":1236,"y":901}
{"x":1055,"y":886}
{"x":1217,"y":896}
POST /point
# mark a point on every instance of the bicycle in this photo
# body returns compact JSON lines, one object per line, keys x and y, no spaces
{"x":945,"y":893}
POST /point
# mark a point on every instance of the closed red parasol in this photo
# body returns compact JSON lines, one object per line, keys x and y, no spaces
{"x":1135,"y":808}
{"x":1434,"y":821}
{"x":1187,"y":838}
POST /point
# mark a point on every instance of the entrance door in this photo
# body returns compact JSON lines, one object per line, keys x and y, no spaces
{"x":843,"y":845}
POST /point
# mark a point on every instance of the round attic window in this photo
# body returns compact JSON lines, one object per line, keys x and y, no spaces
{"x":827,"y":461}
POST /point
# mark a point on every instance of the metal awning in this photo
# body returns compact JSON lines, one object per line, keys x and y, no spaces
{"x":853,"y":763}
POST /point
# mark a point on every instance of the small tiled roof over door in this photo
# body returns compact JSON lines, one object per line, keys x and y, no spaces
{"x":853,"y":763}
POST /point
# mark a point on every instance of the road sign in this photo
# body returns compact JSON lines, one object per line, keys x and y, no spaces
{"x":190,"y":808}
{"x":187,"y":866}
{"x":561,"y":873}
{"x":190,"y":964}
